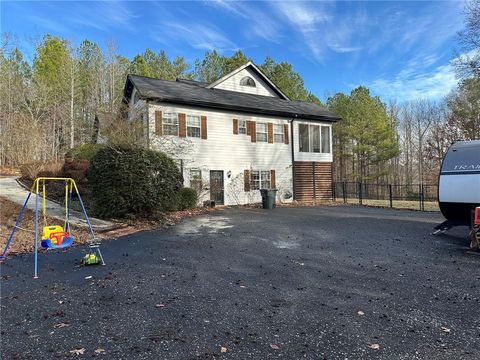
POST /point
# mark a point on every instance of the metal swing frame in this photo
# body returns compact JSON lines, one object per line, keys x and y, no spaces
{"x":70,"y":186}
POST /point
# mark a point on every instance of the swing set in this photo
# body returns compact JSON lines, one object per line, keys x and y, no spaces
{"x":55,"y":236}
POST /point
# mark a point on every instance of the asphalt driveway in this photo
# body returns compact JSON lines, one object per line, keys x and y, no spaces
{"x":292,"y":283}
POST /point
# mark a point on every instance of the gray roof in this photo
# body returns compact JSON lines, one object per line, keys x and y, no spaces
{"x":189,"y":93}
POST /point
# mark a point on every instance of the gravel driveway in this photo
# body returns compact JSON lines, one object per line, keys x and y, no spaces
{"x":331,"y":282}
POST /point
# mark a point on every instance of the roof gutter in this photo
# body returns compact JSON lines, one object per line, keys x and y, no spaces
{"x":243,"y":109}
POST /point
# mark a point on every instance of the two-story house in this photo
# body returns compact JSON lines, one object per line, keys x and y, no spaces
{"x":237,"y":135}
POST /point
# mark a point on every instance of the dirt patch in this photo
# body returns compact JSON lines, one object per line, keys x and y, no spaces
{"x":9,"y":171}
{"x":25,"y":234}
{"x":23,"y":241}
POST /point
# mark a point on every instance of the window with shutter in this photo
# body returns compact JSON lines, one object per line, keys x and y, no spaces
{"x":193,"y":126}
{"x":170,"y":124}
{"x":261,"y":132}
{"x":242,"y":127}
{"x":278,"y":133}
{"x":261,"y":179}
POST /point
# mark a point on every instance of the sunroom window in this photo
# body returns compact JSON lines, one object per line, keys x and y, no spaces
{"x":314,"y":138}
{"x":326,"y":140}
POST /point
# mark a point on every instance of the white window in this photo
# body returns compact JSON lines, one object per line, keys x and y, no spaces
{"x":242,"y":126}
{"x":170,"y":124}
{"x":193,"y":126}
{"x":262,"y":132}
{"x":303,"y":138}
{"x":260,"y":179}
{"x":196,"y":179}
{"x":278,"y":133}
{"x":314,"y":138}
{"x":326,"y":140}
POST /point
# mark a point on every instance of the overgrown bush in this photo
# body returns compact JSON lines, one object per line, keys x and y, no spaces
{"x":77,"y":161}
{"x":84,"y":152}
{"x":33,"y":170}
{"x":133,"y":182}
{"x":187,"y":198}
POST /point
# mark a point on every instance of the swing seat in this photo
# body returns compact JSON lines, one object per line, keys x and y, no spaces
{"x":55,"y":238}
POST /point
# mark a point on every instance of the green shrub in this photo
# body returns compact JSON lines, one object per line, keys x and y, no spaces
{"x":83,"y":152}
{"x":133,"y":182}
{"x":187,"y":198}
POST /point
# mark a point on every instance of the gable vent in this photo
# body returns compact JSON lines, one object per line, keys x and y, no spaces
{"x":248,"y":81}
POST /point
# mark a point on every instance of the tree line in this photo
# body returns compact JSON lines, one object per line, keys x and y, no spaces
{"x":70,"y":95}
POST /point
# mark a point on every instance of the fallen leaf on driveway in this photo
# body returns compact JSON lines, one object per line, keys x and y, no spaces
{"x":360,"y":312}
{"x":374,"y":346}
{"x":243,"y":286}
{"x":61,"y":302}
{"x":88,"y":277}
{"x":77,"y":351}
{"x":159,"y":305}
{"x":275,"y":347}
{"x":61,"y":325}
{"x":445,"y":329}
{"x":223,"y":349}
{"x":99,"y":351}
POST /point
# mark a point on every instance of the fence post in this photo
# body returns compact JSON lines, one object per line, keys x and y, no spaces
{"x":344,"y":192}
{"x":420,"y":196}
{"x":360,"y":193}
{"x":390,"y":195}
{"x":334,"y":197}
{"x":423,"y":197}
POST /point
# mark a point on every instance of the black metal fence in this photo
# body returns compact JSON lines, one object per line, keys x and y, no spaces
{"x":413,"y":196}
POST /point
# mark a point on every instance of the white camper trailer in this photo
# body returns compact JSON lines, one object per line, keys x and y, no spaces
{"x":459,"y":183}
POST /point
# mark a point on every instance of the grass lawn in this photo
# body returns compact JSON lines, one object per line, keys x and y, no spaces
{"x":397,"y":204}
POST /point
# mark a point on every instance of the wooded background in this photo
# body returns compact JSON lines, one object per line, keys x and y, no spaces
{"x":66,"y":95}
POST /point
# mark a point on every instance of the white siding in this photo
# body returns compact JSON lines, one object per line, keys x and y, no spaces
{"x":233,"y":84}
{"x":223,"y":150}
{"x":310,"y":156}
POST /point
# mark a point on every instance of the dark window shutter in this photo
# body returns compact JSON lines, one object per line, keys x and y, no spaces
{"x":273,"y":185}
{"x":235,"y":126}
{"x":246,"y":180}
{"x":252,"y":130}
{"x":203,"y":127}
{"x":270,"y":133}
{"x":158,"y":123}
{"x":182,"y":125}
{"x":285,"y":133}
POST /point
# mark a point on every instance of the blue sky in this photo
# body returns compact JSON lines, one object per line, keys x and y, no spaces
{"x":400,"y":50}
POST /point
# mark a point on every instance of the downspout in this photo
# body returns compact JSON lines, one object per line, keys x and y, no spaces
{"x":293,"y":157}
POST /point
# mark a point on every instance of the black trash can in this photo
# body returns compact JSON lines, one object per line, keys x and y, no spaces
{"x":268,"y":198}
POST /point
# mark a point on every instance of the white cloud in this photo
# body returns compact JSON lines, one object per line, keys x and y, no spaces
{"x":406,"y":86}
{"x":258,"y":24}
{"x":197,"y":35}
{"x":104,"y":15}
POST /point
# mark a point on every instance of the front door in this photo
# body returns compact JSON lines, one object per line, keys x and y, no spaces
{"x":216,"y":186}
